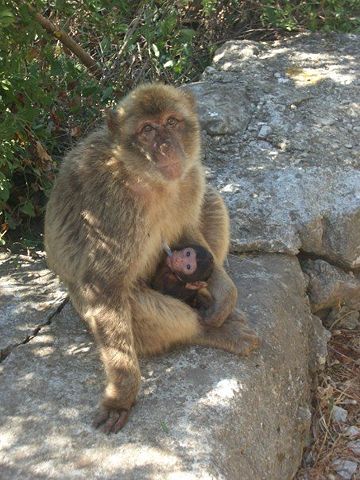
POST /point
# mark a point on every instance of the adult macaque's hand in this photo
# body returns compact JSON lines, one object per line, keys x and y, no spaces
{"x":222,"y":306}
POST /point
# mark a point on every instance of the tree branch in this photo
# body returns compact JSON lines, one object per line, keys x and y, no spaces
{"x":64,"y":38}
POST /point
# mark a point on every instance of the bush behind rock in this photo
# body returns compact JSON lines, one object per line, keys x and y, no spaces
{"x":49,"y":98}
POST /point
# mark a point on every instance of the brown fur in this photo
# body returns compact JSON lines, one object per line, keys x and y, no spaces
{"x":108,"y":214}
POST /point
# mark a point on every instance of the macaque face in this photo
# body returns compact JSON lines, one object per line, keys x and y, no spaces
{"x":156,"y":133}
{"x":183,"y":261}
{"x":161,"y":141}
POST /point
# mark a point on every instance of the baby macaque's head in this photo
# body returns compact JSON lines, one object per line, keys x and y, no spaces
{"x":191,"y":264}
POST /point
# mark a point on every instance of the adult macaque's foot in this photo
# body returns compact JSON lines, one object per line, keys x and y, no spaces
{"x":233,"y":336}
{"x":110,"y":420}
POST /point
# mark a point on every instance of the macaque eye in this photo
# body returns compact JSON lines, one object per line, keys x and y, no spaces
{"x":188,"y":253}
{"x":188,"y":267}
{"x":171,"y":122}
{"x":147,"y":128}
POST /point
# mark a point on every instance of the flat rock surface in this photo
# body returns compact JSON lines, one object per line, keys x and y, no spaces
{"x":201,"y":413}
{"x":29,"y":295}
{"x":282,"y":137}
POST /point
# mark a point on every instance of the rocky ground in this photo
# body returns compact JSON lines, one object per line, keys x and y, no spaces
{"x":281,"y":143}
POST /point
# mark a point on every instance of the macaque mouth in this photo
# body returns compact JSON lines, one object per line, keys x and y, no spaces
{"x":169,"y":160}
{"x":170,"y":171}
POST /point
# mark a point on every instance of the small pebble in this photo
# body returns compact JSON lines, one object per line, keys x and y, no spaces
{"x":210,"y":70}
{"x":264,"y":131}
{"x":352,"y":432}
{"x":349,"y":401}
{"x":345,"y":468}
{"x":354,"y":447}
{"x":350,"y":320}
{"x":339,"y":414}
{"x":327,"y":121}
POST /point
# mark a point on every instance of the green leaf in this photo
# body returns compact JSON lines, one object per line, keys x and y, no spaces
{"x":6,"y":17}
{"x":4,"y":188}
{"x":28,"y":209}
{"x":187,"y":35}
{"x":5,"y":84}
{"x":107,"y":93}
{"x":57,"y":68}
{"x":168,"y":64}
{"x":90,"y":89}
{"x":168,"y":25}
{"x":155,"y":50}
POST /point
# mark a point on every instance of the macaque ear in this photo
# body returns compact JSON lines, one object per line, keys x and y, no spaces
{"x":113,"y":120}
{"x":196,"y":285}
{"x":190,"y":97}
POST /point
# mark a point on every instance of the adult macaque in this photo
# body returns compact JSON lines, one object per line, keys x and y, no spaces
{"x":184,"y":272}
{"x":128,"y":187}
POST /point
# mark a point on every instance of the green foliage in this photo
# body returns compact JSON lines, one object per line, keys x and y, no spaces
{"x":49,"y":99}
{"x":326,"y":15}
{"x":209,"y":6}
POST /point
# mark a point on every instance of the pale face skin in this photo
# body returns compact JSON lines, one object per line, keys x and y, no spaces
{"x":182,"y":261}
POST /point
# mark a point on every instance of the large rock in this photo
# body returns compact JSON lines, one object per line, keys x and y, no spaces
{"x":201,"y":413}
{"x":330,"y":286}
{"x":281,"y":138}
{"x":291,"y":176}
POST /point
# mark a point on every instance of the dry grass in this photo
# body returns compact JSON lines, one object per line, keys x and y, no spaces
{"x":338,"y":385}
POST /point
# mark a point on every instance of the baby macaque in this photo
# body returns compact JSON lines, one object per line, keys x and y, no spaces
{"x":183,"y":273}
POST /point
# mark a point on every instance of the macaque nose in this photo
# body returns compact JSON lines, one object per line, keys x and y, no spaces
{"x":165,"y":147}
{"x":177,"y":262}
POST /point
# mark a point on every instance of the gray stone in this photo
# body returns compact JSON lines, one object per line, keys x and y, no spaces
{"x":330,"y":286}
{"x":345,"y":468}
{"x":320,"y":337}
{"x":231,"y":54}
{"x":201,"y":413}
{"x":352,"y":432}
{"x":264,"y":131}
{"x":339,"y":414}
{"x":29,"y":295}
{"x":219,"y":108}
{"x":293,"y":190}
{"x":343,"y":317}
{"x":354,"y":447}
{"x":350,"y":320}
